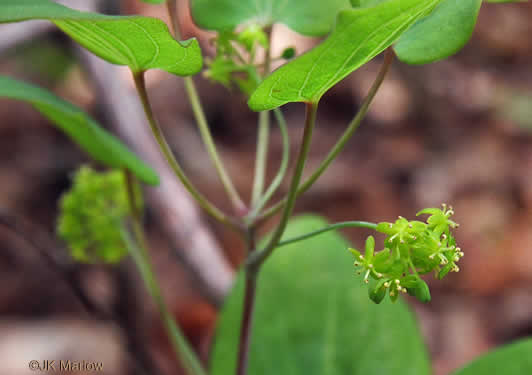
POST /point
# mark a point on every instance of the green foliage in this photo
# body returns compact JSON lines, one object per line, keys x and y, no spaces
{"x":154,"y":1}
{"x":308,"y":17}
{"x":411,"y":248}
{"x":45,"y":59}
{"x":92,"y":214}
{"x":310,"y":319}
{"x":360,"y":35}
{"x":513,"y":359}
{"x":141,"y":43}
{"x":101,"y":145}
{"x":441,"y":34}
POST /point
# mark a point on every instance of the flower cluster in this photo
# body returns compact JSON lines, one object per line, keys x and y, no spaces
{"x":92,"y":215}
{"x":411,"y":248}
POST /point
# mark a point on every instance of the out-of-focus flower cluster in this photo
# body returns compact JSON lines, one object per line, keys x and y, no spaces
{"x":92,"y":216}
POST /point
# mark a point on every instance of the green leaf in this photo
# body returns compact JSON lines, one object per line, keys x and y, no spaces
{"x":513,"y":359}
{"x":443,"y":33}
{"x":141,"y":43}
{"x":307,"y":17}
{"x":313,"y":317}
{"x":360,"y":35}
{"x":79,"y":127}
{"x":154,"y":1}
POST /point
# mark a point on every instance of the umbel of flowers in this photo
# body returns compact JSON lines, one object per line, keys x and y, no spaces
{"x":411,"y":248}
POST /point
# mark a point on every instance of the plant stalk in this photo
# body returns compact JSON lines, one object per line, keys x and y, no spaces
{"x":203,"y":127}
{"x":170,"y":158}
{"x":278,"y":179}
{"x":344,"y":224}
{"x":262,"y":140}
{"x":257,"y":258}
{"x":250,"y":292}
{"x":346,"y":136}
{"x":253,"y":267}
{"x":139,"y":252}
{"x":262,"y":157}
{"x":199,"y":114}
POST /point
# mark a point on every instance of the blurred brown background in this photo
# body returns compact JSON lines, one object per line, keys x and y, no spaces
{"x":458,"y":131}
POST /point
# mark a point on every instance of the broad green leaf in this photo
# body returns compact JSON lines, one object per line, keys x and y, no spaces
{"x":360,"y":35}
{"x":313,"y":317}
{"x":443,"y":33}
{"x":513,"y":359}
{"x":307,"y":17}
{"x":154,"y":1}
{"x":79,"y":127}
{"x":141,"y":43}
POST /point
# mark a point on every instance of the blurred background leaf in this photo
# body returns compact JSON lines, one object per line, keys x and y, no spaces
{"x":512,"y":359}
{"x":101,"y":145}
{"x":307,"y":17}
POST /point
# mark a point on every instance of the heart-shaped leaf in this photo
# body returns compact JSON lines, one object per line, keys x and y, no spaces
{"x":79,"y":127}
{"x":307,"y":17}
{"x":141,"y":43}
{"x":513,"y":359}
{"x":441,"y":34}
{"x":313,"y":317}
{"x":360,"y":35}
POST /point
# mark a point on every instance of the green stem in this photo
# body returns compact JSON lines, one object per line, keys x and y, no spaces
{"x":257,"y":258}
{"x":262,"y":140}
{"x":167,"y":152}
{"x":340,"y":144}
{"x":203,"y":126}
{"x":205,"y":133}
{"x":344,"y":224}
{"x":278,"y":179}
{"x":262,"y":157}
{"x":250,"y":292}
{"x":139,"y":251}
